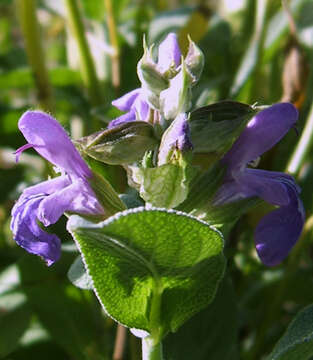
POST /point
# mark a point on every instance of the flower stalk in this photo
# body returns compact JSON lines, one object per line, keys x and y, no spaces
{"x":26,"y":10}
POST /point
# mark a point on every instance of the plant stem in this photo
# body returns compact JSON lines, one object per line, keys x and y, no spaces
{"x":151,"y":350}
{"x":152,"y":345}
{"x":115,"y":58}
{"x":87,"y":65}
{"x":26,"y":10}
{"x":303,"y":146}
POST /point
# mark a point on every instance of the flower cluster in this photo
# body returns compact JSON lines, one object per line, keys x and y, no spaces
{"x":154,"y":135}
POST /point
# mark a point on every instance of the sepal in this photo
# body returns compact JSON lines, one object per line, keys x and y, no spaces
{"x":122,"y":144}
{"x":215,"y":127}
{"x":148,"y":73}
{"x":194,"y":60}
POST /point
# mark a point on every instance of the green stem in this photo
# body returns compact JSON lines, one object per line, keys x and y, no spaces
{"x":303,"y":146}
{"x":152,"y":345}
{"x":87,"y":65}
{"x":26,"y":10}
{"x":151,"y":350}
{"x":115,"y":58}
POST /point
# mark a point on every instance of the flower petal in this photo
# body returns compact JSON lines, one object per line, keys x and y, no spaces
{"x":29,"y":235}
{"x":228,"y":192}
{"x":278,"y":231}
{"x":47,"y":187}
{"x":77,"y":197}
{"x":142,"y":108}
{"x":51,"y":141}
{"x":130,"y":116}
{"x":125,"y":102}
{"x":177,"y":136}
{"x":169,"y":53}
{"x":267,"y":186}
{"x":262,"y":133}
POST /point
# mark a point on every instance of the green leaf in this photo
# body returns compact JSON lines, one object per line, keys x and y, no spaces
{"x":78,"y":276}
{"x":297,"y":342}
{"x":215,"y":127}
{"x":151,"y":268}
{"x":211,"y":334}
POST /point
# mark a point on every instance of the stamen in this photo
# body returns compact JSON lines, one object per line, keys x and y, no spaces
{"x":19,"y":151}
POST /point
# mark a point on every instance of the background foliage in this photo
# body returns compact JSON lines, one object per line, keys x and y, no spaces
{"x":251,"y":56}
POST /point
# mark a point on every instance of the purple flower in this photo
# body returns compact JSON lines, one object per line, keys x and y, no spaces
{"x":279,"y":230}
{"x":176,"y":137}
{"x":135,"y":104}
{"x":47,"y":201}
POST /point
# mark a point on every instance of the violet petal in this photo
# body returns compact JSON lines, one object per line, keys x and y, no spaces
{"x":77,"y":197}
{"x":278,"y":231}
{"x":272,"y":189}
{"x":169,"y":52}
{"x":125,"y":102}
{"x":29,"y":235}
{"x":52,"y":142}
{"x":130,"y":116}
{"x":262,"y":133}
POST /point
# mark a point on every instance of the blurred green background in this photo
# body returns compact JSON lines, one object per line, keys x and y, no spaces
{"x":72,"y":58}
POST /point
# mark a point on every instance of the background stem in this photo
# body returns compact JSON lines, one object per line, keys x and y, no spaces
{"x":87,"y":65}
{"x":119,"y":342}
{"x":304,"y":144}
{"x":26,"y":10}
{"x":115,"y":57}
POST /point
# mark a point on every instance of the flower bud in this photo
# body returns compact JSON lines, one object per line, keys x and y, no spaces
{"x":175,"y":141}
{"x":148,"y":73}
{"x":176,"y":98}
{"x":123,"y":144}
{"x":194,"y":60}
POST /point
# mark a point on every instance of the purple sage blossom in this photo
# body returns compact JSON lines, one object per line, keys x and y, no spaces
{"x":279,"y":230}
{"x":47,"y":201}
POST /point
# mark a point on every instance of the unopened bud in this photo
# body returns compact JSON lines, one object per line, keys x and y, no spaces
{"x":176,"y":98}
{"x":194,"y":60}
{"x":148,"y":73}
{"x":175,"y":141}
